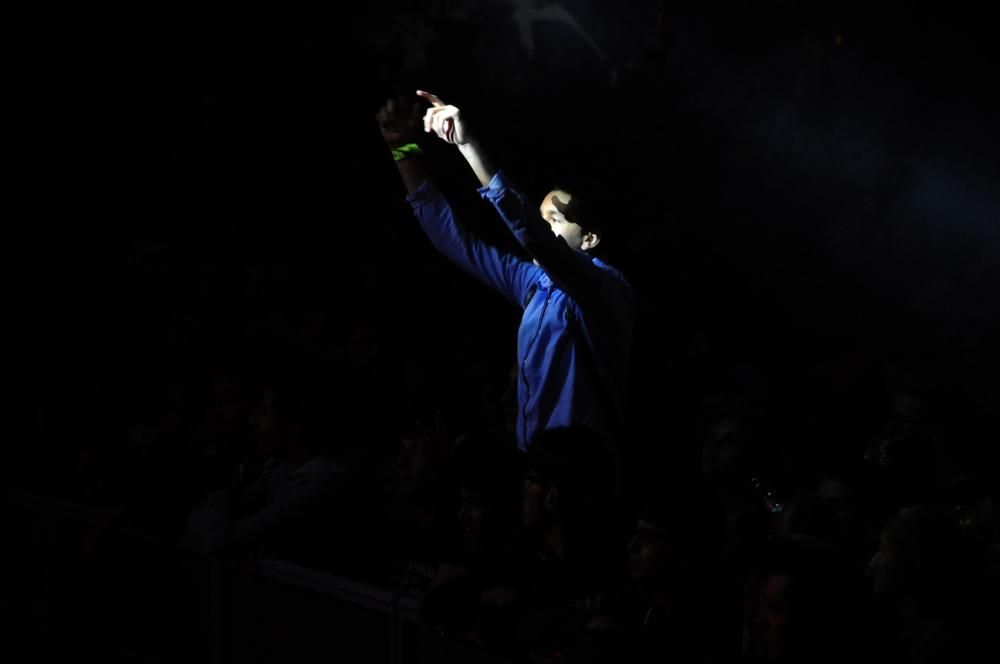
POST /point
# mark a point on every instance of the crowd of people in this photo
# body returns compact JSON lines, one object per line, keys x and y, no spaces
{"x":762,"y":528}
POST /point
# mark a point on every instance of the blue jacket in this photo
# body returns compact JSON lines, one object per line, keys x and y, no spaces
{"x":575,"y":337}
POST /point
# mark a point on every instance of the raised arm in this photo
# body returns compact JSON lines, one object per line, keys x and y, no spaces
{"x":573,"y":270}
{"x":398,"y":122}
{"x":504,"y":272}
{"x":446,"y":121}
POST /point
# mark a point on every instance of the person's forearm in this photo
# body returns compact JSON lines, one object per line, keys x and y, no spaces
{"x":413,"y":172}
{"x":480,"y":163}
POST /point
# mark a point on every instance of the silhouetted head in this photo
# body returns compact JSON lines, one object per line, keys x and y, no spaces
{"x":421,"y":462}
{"x":672,"y":542}
{"x":918,"y":557}
{"x":567,"y":476}
{"x":488,"y":473}
{"x":807,"y":603}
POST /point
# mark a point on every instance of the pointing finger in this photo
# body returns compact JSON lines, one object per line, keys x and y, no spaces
{"x":432,"y":98}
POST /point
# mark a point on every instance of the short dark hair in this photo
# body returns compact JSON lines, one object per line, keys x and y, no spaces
{"x":586,"y":208}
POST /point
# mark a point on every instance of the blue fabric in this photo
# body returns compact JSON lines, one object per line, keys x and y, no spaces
{"x":575,"y":337}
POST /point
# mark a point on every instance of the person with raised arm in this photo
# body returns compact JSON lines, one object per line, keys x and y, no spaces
{"x":576,"y":330}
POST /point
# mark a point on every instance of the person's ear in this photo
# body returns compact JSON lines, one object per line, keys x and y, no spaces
{"x":590,"y":240}
{"x":551,"y":498}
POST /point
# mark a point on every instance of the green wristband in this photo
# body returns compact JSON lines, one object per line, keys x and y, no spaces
{"x":404,"y":151}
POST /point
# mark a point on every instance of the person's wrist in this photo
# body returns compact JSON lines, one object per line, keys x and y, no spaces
{"x":404,"y":151}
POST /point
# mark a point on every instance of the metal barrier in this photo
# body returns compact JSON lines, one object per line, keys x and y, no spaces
{"x":395,"y":607}
{"x":55,"y":515}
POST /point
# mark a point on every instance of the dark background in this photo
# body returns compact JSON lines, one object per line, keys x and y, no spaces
{"x":796,"y":188}
{"x":803,"y":194}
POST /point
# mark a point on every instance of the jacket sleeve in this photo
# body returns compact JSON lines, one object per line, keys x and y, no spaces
{"x":573,"y":271}
{"x":505,"y":272}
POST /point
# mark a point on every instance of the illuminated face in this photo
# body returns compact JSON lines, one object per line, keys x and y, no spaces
{"x":554,"y":209}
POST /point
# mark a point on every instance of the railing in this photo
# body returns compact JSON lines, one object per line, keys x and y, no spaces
{"x":224,"y":593}
{"x":396,"y":608}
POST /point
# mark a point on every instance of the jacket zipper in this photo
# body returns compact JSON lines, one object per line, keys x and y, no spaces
{"x":524,"y":363}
